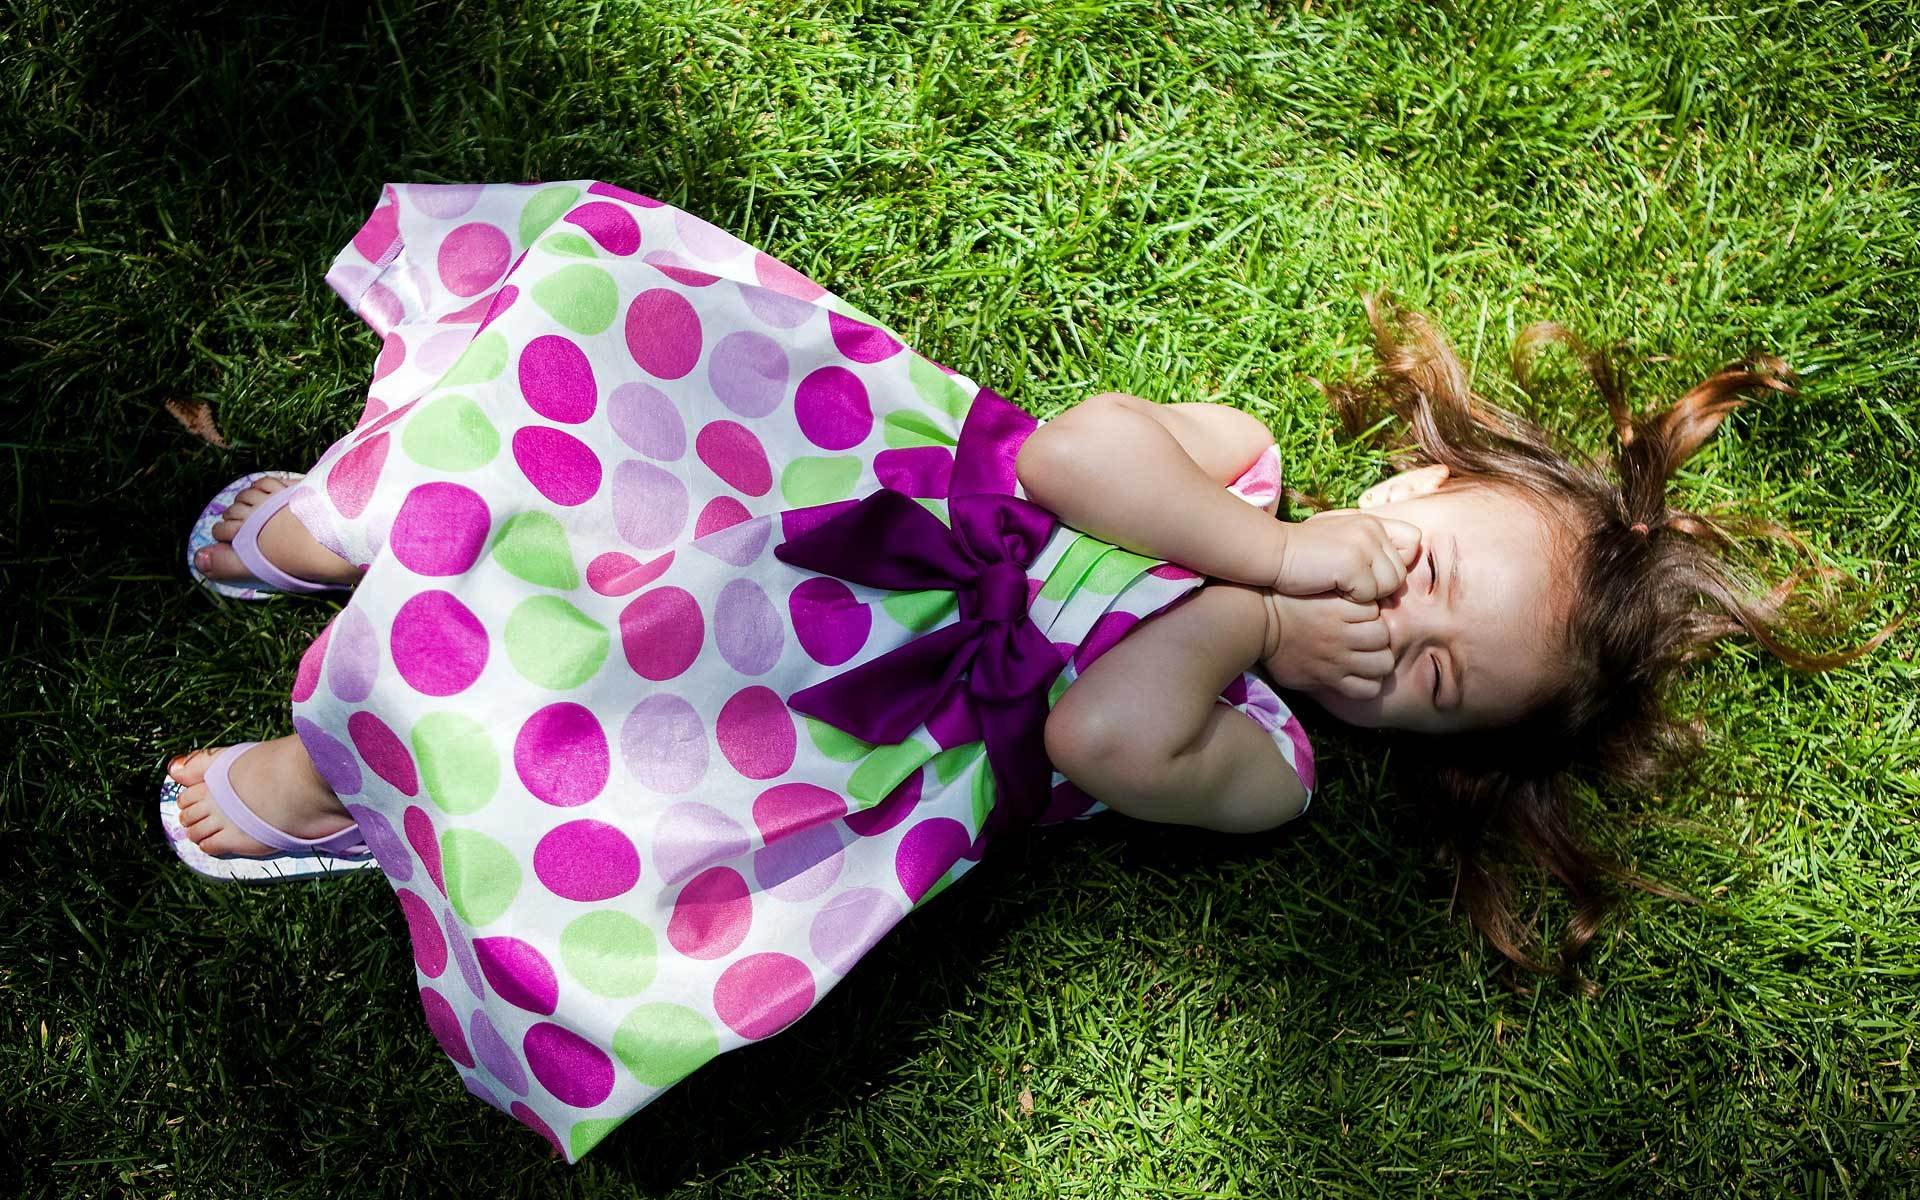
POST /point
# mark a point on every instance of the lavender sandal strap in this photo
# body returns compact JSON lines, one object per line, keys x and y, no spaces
{"x":246,"y":544}
{"x":347,"y":841}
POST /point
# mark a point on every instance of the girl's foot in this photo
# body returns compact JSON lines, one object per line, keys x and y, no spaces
{"x":283,"y":539}
{"x":278,"y":782}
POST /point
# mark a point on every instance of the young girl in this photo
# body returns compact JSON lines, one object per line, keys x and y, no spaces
{"x":700,"y":630}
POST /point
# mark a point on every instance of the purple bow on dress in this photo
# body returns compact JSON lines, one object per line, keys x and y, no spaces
{"x":889,"y":540}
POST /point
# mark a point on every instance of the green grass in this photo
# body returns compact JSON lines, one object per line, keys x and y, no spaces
{"x":1177,"y":199}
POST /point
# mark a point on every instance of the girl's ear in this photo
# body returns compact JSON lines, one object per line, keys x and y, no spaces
{"x":1405,"y":486}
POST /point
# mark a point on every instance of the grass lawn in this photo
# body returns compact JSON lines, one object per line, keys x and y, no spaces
{"x":1175,"y":199}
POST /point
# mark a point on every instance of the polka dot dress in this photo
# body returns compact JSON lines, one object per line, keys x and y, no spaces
{"x":557,"y":703}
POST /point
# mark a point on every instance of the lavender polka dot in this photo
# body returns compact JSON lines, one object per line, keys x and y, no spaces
{"x":574,"y":1070}
{"x":463,"y":953}
{"x":586,"y":861}
{"x":495,"y":1055}
{"x":443,"y":200}
{"x":383,"y":842}
{"x":518,"y":973}
{"x":557,"y":380}
{"x":663,"y":333}
{"x":747,"y":628}
{"x":353,"y":661}
{"x":445,"y":1026}
{"x":705,"y":239}
{"x":830,"y":624}
{"x":802,"y":866}
{"x":832,"y":408}
{"x":561,"y":754}
{"x":650,"y":505}
{"x":748,"y":371}
{"x":647,"y":420}
{"x":560,"y":466}
{"x":756,"y":733}
{"x":850,"y":924}
{"x":691,"y":837}
{"x":473,"y":257}
{"x":331,"y":758}
{"x":777,"y":308}
{"x":438,"y":645}
{"x":739,"y":544}
{"x":664,"y":744}
{"x":440,"y":530}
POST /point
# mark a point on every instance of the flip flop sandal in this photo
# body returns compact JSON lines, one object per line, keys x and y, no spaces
{"x":268,"y":580}
{"x":295,"y":858}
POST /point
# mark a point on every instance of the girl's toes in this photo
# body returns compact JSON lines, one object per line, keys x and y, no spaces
{"x":220,"y":561}
{"x":225,"y":529}
{"x":267,"y":485}
{"x":188,"y":770}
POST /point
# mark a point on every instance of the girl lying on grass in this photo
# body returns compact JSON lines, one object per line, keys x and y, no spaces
{"x":699,"y":630}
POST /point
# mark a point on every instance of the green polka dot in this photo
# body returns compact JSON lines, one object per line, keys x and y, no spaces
{"x":663,"y":1043}
{"x":1115,"y":570}
{"x":553,"y":643}
{"x":937,"y":506}
{"x":484,"y":358}
{"x":457,"y":761}
{"x":609,"y":952}
{"x":813,"y":479}
{"x":1081,"y":553}
{"x":1061,"y":683}
{"x":906,"y":427}
{"x":533,"y":546}
{"x":481,"y":875}
{"x":921,"y":610}
{"x":836,"y":744}
{"x":450,"y":433}
{"x":587,"y":1134}
{"x":937,"y":387}
{"x":568,"y":243}
{"x":984,"y":791}
{"x":581,"y":297}
{"x":882,"y":771}
{"x":950,"y":762}
{"x":543,"y":210}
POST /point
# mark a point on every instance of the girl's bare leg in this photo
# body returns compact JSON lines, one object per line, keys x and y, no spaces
{"x":277,"y":780}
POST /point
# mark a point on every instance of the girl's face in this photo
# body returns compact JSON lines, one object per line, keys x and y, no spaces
{"x":1475,"y":629}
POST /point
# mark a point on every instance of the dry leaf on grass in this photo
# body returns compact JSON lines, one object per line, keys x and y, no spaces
{"x":198,"y":419}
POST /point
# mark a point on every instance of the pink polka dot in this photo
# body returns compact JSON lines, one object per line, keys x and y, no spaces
{"x":445,"y":1026}
{"x":661,"y":632}
{"x":330,"y":756}
{"x":501,"y":302}
{"x":721,"y":512}
{"x":663,"y":333}
{"x":608,"y":224}
{"x":619,"y":193}
{"x":711,"y":915}
{"x":380,"y":422}
{"x":563,"y":468}
{"x":915,"y":470}
{"x":849,"y":925}
{"x":650,"y":504}
{"x":763,"y":993}
{"x":306,"y":677}
{"x":616,"y":574}
{"x":756,"y":733}
{"x":1105,"y":634}
{"x":782,"y":278}
{"x":371,"y":412}
{"x":577,"y":1072}
{"x":383,"y":752}
{"x":425,"y":843}
{"x":557,"y":379}
{"x":789,"y":807}
{"x":927,"y":852}
{"x":664,"y":744}
{"x":350,"y":480}
{"x":647,"y":420}
{"x":747,"y":628}
{"x":1172,"y":571}
{"x":674,"y":267}
{"x":518,"y":973}
{"x":732,"y":452}
{"x":526,"y":1116}
{"x":861,"y":342}
{"x":438,"y":645}
{"x":495,"y":1055}
{"x":381,"y":308}
{"x":831,"y":406}
{"x":429,"y":947}
{"x":353,"y":660}
{"x":830,"y":624}
{"x":561,"y":754}
{"x":586,"y":861}
{"x":470,"y":313}
{"x":381,"y":230}
{"x":748,"y":371}
{"x":441,"y":529}
{"x":393,"y":352}
{"x":892,"y":809}
{"x":473,"y":257}
{"x":693,"y":836}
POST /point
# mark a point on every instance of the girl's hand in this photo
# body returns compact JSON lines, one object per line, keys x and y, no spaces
{"x":1343,"y":550}
{"x":1328,"y":641}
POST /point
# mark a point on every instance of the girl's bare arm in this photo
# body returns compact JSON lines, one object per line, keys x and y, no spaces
{"x":1151,"y":477}
{"x":1143,"y":729}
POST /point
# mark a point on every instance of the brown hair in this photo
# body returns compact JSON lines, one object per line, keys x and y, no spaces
{"x":1652,"y":588}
